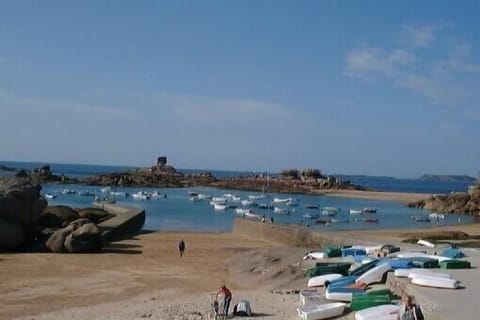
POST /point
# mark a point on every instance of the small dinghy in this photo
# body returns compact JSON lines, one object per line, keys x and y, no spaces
{"x":308,"y":297}
{"x":321,"y":311}
{"x":436,"y":282}
{"x":364,"y":301}
{"x":427,"y":273}
{"x":425,"y":243}
{"x":319,"y":281}
{"x":341,"y":294}
{"x":374,"y":274}
{"x":455,"y":264}
{"x":384,"y":312}
{"x":315,"y":255}
{"x":341,"y":282}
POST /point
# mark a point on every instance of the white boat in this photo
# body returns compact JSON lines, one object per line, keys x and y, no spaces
{"x":369,"y":210}
{"x":328,"y":213}
{"x":308,"y":297}
{"x":220,"y":207}
{"x":219,"y":199}
{"x":212,"y":202}
{"x":411,"y":254}
{"x":252,"y":215}
{"x":292,"y":202}
{"x":281,"y":200}
{"x":338,"y":295}
{"x":255,"y":197}
{"x":436,"y":282}
{"x":374,"y":274}
{"x":235,"y":199}
{"x":241,"y":211}
{"x":436,"y":216}
{"x":50,"y":196}
{"x":319,"y":281}
{"x":157,"y":194}
{"x":372,"y":249}
{"x":315,"y":255}
{"x":141,"y":195}
{"x":402,"y":273}
{"x":68,"y":191}
{"x":105,"y":189}
{"x":247,"y":203}
{"x":383,"y":312}
{"x":416,"y":273}
{"x":353,"y":211}
{"x":425,"y":243}
{"x":204,"y":196}
{"x":278,"y":210}
{"x":321,"y":311}
{"x":228,"y":196}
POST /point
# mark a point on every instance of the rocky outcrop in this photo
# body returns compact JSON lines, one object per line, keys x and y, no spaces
{"x":20,"y":208}
{"x":79,"y":236}
{"x":163,"y":175}
{"x":57,"y":217}
{"x":44,"y":175}
{"x":95,"y":215}
{"x":459,"y":202}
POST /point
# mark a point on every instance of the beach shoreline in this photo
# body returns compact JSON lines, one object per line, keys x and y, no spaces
{"x":144,"y":276}
{"x":402,"y":197}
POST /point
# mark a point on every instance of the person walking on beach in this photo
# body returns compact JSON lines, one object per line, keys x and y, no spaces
{"x":227,"y":298}
{"x":181,"y":247}
{"x":409,"y":310}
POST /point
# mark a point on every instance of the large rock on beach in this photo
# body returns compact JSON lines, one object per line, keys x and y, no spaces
{"x":11,"y":235}
{"x":21,"y":205}
{"x":79,"y":236}
{"x":95,"y":215}
{"x":58,"y":216}
{"x":56,"y":241}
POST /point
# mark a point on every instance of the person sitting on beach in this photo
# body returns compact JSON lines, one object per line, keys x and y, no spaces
{"x":409,"y":310}
{"x":181,"y":247}
{"x":227,"y":298}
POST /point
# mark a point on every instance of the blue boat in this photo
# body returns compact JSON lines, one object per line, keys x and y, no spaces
{"x":341,"y":282}
{"x":353,"y":252}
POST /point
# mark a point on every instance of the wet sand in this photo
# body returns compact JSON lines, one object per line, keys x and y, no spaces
{"x":402,"y":197}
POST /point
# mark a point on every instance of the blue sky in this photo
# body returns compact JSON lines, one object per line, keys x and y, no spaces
{"x":354,"y":87}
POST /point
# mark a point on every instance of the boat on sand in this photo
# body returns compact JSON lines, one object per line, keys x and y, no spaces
{"x":321,"y":311}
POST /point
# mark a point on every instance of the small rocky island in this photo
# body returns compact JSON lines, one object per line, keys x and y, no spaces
{"x":165,"y":176}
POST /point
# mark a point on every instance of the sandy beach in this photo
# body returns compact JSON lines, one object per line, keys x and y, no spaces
{"x":403,"y":197}
{"x":144,"y":276}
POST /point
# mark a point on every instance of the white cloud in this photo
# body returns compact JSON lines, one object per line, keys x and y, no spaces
{"x":449,"y":80}
{"x":418,"y":36}
{"x":10,"y":101}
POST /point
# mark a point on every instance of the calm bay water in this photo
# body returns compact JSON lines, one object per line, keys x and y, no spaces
{"x":177,"y":212}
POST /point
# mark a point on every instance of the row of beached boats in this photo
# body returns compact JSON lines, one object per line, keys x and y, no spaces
{"x":357,"y":282}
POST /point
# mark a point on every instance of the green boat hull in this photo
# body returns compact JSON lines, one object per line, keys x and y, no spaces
{"x":455,"y":264}
{"x":425,"y":263}
{"x":363,"y":301}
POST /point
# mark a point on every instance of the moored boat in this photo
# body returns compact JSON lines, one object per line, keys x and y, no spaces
{"x":50,"y":196}
{"x":354,"y":211}
{"x":220,"y":207}
{"x":278,"y":210}
{"x":369,"y":210}
{"x":281,"y":200}
{"x":425,"y":243}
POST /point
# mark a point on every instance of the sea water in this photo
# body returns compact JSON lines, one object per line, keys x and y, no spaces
{"x":178,"y":212}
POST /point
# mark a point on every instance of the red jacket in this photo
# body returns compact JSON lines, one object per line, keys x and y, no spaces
{"x":225,"y":292}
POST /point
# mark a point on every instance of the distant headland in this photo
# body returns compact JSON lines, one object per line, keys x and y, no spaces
{"x":447,"y":178}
